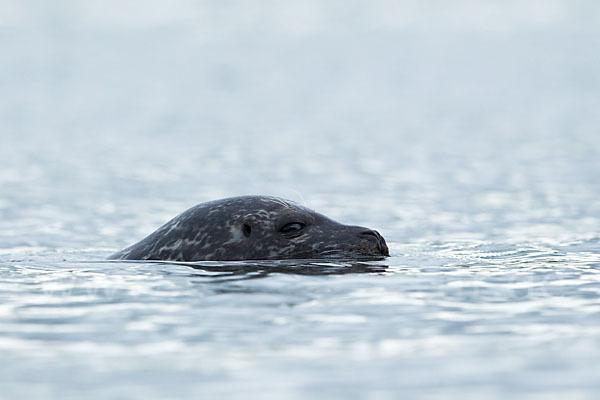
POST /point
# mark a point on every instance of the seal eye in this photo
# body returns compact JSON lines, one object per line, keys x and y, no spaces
{"x":292,"y":227}
{"x":247,"y":229}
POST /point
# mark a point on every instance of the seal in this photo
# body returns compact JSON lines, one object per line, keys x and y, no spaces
{"x":254,"y":228}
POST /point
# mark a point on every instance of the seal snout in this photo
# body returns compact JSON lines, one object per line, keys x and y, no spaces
{"x":373,"y":234}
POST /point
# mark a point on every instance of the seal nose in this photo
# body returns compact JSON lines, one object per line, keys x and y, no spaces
{"x":381,"y":245}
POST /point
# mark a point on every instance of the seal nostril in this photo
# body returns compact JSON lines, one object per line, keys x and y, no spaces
{"x":247,"y":229}
{"x":375,"y":234}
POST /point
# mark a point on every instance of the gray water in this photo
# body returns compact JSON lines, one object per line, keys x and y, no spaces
{"x":467,"y":133}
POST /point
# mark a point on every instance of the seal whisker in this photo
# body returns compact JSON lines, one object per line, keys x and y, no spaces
{"x":304,"y":203}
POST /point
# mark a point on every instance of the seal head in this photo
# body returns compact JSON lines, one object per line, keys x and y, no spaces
{"x":254,"y":228}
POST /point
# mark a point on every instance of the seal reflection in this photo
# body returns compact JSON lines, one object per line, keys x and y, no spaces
{"x":261,"y":269}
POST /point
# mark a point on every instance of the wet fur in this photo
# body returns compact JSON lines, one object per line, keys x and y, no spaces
{"x":248,"y":228}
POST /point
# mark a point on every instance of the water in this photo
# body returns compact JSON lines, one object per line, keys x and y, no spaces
{"x":472,"y":145}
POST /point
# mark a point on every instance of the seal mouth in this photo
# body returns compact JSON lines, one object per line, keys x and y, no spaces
{"x":372,"y":246}
{"x":332,"y":253}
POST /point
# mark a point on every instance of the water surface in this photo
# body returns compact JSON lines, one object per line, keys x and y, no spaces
{"x":473,"y":148}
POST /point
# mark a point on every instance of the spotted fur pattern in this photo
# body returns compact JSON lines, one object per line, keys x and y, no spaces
{"x":250,"y":228}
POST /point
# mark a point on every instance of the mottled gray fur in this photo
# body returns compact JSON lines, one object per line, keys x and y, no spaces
{"x":254,"y":228}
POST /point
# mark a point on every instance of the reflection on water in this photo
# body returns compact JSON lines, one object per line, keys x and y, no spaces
{"x":433,"y":312}
{"x":262,"y":269}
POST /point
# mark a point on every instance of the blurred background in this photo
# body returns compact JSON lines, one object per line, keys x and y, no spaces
{"x":418,"y":117}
